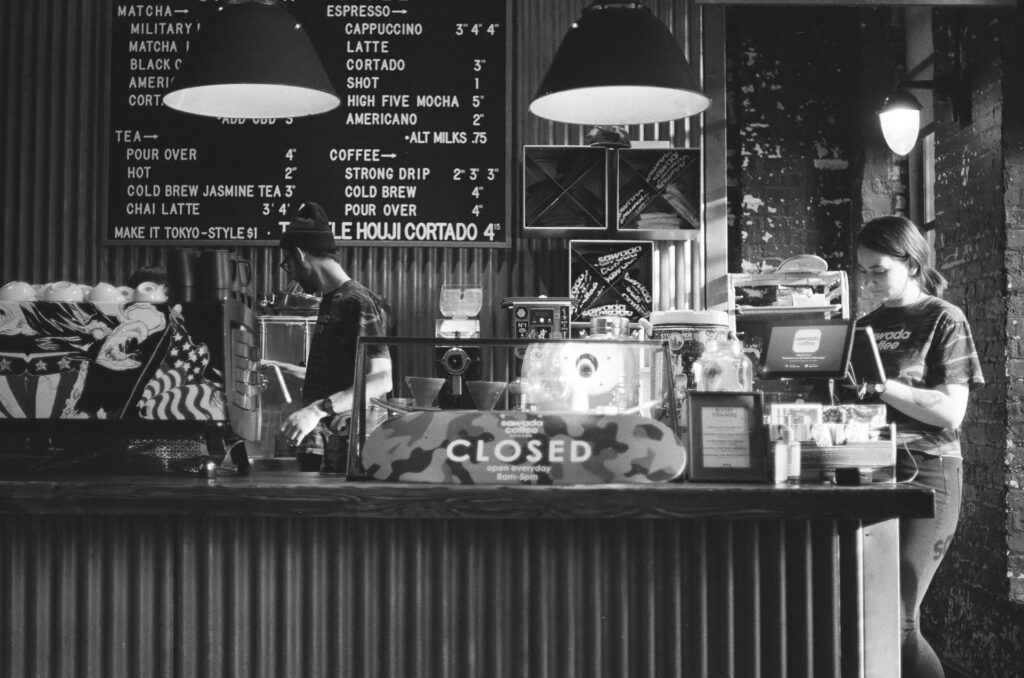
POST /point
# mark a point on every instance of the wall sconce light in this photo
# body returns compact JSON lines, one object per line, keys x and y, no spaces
{"x":900,"y":118}
{"x":252,"y":60}
{"x":618,"y":65}
{"x":900,"y":115}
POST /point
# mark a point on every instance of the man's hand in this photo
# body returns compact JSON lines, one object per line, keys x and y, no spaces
{"x":290,"y":369}
{"x":300,"y":423}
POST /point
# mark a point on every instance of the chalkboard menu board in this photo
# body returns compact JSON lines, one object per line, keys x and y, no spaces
{"x":417,"y":153}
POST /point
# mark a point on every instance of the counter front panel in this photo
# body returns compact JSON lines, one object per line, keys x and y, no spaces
{"x":299,"y":574}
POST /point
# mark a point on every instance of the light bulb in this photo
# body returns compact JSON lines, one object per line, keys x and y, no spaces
{"x":900,"y":118}
{"x":900,"y":127}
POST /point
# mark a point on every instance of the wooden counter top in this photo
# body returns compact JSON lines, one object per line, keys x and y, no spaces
{"x":293,"y":493}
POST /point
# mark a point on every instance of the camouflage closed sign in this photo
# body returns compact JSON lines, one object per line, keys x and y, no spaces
{"x":499,"y":447}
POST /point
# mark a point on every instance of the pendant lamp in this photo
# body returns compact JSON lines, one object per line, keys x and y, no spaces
{"x":252,"y":59}
{"x":618,"y":65}
{"x":900,"y":118}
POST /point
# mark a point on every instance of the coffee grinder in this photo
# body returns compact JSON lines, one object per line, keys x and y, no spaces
{"x":460,"y":304}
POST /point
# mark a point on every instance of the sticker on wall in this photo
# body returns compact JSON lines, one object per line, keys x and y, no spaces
{"x":611,"y":278}
{"x":103,"y":361}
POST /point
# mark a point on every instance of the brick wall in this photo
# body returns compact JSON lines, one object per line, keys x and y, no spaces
{"x":974,"y":613}
{"x":808,"y":166}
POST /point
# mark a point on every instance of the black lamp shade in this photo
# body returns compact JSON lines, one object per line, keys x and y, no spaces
{"x":252,"y":60}
{"x":618,"y":65}
{"x":901,"y":99}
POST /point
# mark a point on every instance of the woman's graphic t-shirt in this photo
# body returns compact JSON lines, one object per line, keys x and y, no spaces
{"x":923,"y":345}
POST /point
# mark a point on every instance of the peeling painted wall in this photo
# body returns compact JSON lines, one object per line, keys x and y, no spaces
{"x":793,"y":131}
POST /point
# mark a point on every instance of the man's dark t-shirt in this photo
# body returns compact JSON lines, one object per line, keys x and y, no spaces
{"x":345,"y":314}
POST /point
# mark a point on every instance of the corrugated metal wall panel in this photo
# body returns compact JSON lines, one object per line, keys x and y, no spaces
{"x":542,"y":26}
{"x":53,"y":141}
{"x":145,"y":596}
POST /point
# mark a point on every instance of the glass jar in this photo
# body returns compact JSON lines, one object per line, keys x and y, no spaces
{"x":724,"y":367}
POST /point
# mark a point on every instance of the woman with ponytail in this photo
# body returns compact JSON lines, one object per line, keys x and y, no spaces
{"x":931,"y":366}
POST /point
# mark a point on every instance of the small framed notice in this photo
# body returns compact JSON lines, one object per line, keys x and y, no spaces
{"x":727,"y":436}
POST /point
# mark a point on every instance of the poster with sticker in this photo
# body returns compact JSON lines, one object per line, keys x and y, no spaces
{"x":611,"y":278}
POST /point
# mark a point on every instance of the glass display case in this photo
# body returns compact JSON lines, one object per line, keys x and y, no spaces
{"x":544,"y":412}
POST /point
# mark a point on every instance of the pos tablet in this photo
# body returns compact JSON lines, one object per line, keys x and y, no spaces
{"x":865,"y":362}
{"x":809,"y":349}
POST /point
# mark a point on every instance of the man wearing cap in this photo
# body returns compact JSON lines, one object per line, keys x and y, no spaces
{"x":348,"y":310}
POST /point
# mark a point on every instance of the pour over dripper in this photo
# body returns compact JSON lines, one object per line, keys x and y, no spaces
{"x":424,"y":389}
{"x":485,"y":393}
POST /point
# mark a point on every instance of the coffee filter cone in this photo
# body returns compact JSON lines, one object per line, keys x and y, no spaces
{"x":485,"y":393}
{"x":424,"y":389}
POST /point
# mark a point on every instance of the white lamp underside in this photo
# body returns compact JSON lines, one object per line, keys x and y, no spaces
{"x":900,"y":128}
{"x":619,"y":105}
{"x":251,"y":101}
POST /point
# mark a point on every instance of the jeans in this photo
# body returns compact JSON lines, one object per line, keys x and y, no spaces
{"x":923,"y":544}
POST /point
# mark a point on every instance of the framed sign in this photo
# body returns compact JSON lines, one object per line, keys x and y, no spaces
{"x":611,"y":278}
{"x":727,"y":436}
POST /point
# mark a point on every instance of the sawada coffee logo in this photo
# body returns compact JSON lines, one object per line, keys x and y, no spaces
{"x":807,"y":341}
{"x":891,"y":340}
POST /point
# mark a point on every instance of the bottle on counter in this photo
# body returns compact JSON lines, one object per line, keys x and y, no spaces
{"x":515,"y":395}
{"x":793,"y":458}
{"x":724,"y":367}
{"x":781,"y":458}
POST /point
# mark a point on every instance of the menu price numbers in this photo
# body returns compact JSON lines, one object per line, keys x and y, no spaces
{"x":474,"y":173}
{"x":282,"y":208}
{"x":491,"y":230}
{"x":465,"y":29}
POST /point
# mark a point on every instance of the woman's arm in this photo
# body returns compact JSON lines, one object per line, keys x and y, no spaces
{"x":944,"y":405}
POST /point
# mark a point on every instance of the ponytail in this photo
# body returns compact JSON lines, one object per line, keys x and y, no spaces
{"x":931,"y":281}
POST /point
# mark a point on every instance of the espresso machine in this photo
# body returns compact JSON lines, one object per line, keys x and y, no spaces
{"x":460,"y":305}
